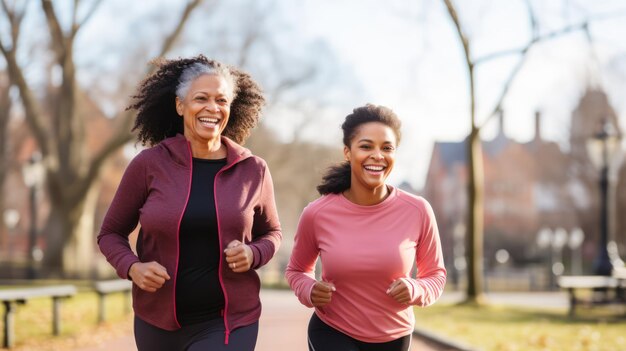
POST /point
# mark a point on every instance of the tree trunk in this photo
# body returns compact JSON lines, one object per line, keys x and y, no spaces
{"x":475,"y":288}
{"x":70,"y":236}
{"x":5,"y":107}
{"x":3,"y":231}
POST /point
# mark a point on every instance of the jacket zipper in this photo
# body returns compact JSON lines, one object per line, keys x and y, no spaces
{"x":219,"y":236}
{"x":178,"y":231}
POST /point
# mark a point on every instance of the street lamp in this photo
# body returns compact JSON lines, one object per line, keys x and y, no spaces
{"x":33,"y":173}
{"x":602,"y":149}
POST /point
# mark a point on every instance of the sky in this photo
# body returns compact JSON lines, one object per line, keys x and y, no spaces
{"x":402,"y":54}
{"x":409,"y":58}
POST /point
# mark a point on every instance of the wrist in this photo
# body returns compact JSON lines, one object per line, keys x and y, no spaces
{"x":131,"y":270}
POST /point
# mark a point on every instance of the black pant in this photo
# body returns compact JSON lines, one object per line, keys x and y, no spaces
{"x":206,"y":336}
{"x":323,"y":337}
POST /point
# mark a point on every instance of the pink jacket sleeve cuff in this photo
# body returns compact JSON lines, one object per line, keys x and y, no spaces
{"x":309,"y":302}
{"x":416,"y":291}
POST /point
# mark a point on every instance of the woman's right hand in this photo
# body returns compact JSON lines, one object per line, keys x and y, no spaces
{"x":148,"y":276}
{"x":322,"y":293}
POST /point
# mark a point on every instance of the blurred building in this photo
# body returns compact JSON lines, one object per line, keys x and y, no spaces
{"x":528,"y":186}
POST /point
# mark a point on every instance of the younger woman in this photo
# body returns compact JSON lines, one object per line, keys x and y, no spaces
{"x":368,"y":236}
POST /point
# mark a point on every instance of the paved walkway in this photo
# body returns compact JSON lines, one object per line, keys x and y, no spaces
{"x":539,"y":299}
{"x":282,"y":327}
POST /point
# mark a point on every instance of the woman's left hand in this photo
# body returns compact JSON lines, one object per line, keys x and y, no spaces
{"x":400,"y":291}
{"x":239,"y":256}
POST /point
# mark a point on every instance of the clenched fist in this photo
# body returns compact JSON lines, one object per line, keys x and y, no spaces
{"x":239,"y":256}
{"x":148,"y":276}
{"x":400,"y":291}
{"x":322,"y":293}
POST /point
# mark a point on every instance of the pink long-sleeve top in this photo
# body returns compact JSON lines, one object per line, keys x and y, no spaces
{"x":363,"y":249}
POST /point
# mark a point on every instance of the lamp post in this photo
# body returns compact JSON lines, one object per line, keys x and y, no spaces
{"x":33,"y":173}
{"x":602,"y":147}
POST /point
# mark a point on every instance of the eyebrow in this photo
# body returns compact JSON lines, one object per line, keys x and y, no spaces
{"x":204,"y":93}
{"x":371,"y":141}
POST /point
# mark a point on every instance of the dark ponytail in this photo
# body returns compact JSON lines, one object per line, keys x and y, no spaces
{"x":336,"y":179}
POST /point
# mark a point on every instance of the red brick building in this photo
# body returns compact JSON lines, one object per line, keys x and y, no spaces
{"x":528,"y":186}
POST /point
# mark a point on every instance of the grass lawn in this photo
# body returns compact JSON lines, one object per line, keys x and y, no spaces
{"x":79,"y":327}
{"x":503,"y":328}
{"x":491,"y":328}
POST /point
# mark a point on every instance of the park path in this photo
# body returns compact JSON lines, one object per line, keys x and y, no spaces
{"x":282,"y":327}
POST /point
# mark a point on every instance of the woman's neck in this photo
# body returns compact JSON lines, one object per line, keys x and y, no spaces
{"x":212,"y":150}
{"x":367,"y":197}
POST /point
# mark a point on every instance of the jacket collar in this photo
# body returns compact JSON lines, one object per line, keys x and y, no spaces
{"x":235,"y":152}
{"x":178,"y":148}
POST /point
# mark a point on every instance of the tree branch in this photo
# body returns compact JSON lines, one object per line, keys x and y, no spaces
{"x":251,"y":38}
{"x":461,"y":34}
{"x":533,"y":41}
{"x":32,"y":110}
{"x":3,"y":49}
{"x":468,"y":58}
{"x":291,"y":82}
{"x":87,"y":17}
{"x":121,"y":137}
{"x":123,"y":134}
{"x":498,"y":107}
{"x":5,"y":109}
{"x":581,"y":26}
{"x":169,"y":41}
{"x":254,"y":31}
{"x":5,"y":6}
{"x":56,"y":33}
{"x":534,"y":27}
{"x":15,"y":17}
{"x":74,"y":26}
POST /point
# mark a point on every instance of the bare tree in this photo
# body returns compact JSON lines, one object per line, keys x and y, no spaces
{"x":295,"y":80}
{"x":5,"y":108}
{"x":475,"y":190}
{"x":71,"y":173}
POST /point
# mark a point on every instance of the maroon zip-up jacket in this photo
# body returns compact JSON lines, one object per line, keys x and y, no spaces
{"x":154,"y":192}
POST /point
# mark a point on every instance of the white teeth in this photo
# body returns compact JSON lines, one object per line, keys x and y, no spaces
{"x":209,"y":120}
{"x":374,"y":168}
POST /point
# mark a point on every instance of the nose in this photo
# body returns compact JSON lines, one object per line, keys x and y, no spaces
{"x":376,"y":155}
{"x":212,"y":106}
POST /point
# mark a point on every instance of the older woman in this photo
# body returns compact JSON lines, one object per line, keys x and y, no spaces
{"x":205,"y":206}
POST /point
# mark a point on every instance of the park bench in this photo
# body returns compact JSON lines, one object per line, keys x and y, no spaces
{"x":606,"y":289}
{"x":106,"y":287}
{"x":11,"y":297}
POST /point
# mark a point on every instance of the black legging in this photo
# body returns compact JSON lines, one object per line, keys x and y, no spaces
{"x":323,"y":337}
{"x":207,"y":336}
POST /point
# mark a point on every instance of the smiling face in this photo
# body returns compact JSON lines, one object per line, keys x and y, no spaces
{"x":205,"y":108}
{"x":372,"y":154}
